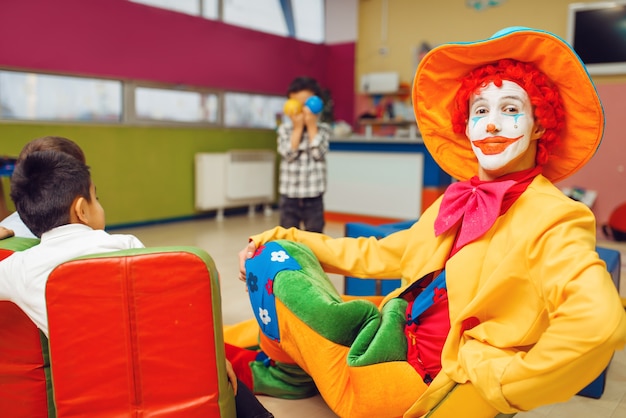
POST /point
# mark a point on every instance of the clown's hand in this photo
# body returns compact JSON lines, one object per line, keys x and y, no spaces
{"x":246,"y":253}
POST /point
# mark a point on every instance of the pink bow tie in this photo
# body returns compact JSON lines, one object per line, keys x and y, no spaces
{"x":477,"y":203}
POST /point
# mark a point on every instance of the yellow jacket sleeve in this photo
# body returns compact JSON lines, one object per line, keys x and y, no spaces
{"x":358,"y":257}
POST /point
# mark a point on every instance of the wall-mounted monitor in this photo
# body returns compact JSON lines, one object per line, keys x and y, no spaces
{"x":597,"y":31}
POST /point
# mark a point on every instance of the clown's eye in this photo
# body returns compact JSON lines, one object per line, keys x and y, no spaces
{"x":480,"y":111}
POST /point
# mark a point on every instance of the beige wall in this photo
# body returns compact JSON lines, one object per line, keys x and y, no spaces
{"x":411,"y":22}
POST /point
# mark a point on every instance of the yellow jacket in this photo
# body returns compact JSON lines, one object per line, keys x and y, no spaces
{"x":549,"y":315}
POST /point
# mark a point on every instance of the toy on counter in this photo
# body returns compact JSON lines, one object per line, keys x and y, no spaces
{"x":294,"y":107}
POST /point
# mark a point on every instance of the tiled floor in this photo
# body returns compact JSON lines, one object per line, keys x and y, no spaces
{"x":224,"y":239}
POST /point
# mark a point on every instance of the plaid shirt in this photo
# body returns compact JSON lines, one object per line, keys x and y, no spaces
{"x":303,"y":171}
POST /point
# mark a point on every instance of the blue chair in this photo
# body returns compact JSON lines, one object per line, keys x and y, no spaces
{"x":612,"y":258}
{"x":354,"y":286}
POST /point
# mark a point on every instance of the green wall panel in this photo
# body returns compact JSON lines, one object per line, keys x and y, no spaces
{"x":142,"y":174}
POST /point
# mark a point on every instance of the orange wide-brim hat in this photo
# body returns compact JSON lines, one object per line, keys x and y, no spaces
{"x":437,"y":81}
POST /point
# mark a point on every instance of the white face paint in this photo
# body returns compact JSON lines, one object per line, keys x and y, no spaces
{"x":501,"y":128}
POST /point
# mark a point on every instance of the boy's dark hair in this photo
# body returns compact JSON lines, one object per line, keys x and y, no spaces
{"x":304,"y":83}
{"x":43,"y":187}
{"x":55,"y":143}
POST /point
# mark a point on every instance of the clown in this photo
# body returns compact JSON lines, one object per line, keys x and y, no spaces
{"x":505,"y":296}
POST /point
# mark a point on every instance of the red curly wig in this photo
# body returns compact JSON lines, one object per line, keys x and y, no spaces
{"x":544,"y":97}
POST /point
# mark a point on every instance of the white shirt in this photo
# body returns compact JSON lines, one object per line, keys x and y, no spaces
{"x":15,"y":224}
{"x":23,"y":275}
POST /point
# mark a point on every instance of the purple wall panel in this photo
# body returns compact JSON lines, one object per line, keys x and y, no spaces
{"x":340,"y":79}
{"x":121,"y":39}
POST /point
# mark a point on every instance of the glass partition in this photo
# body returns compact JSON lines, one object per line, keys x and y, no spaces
{"x":252,"y":110}
{"x":176,"y":105}
{"x":33,"y":96}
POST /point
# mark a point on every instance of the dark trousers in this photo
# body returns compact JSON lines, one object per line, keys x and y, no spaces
{"x":248,"y":406}
{"x":307,"y":212}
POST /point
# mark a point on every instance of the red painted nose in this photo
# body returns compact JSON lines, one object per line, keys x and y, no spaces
{"x":491,"y":128}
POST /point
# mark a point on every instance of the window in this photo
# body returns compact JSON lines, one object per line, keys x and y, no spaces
{"x":309,"y":20}
{"x":176,"y":105}
{"x":32,"y":96}
{"x":252,"y":110}
{"x":300,"y":19}
{"x":262,"y":15}
{"x":44,"y":97}
{"x":304,"y":20}
{"x":191,"y":7}
{"x":210,"y":9}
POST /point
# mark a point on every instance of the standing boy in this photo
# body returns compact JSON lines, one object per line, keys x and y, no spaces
{"x":303,"y":145}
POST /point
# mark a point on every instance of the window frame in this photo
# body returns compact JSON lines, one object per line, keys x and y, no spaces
{"x":131,"y":117}
{"x":128,"y":115}
{"x":67,"y":121}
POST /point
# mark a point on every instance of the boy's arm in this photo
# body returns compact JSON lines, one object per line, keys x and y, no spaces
{"x":320,"y":141}
{"x":135,"y":243}
{"x":311,"y":122}
{"x":232,"y":377}
{"x":5,"y":233}
{"x":286,"y":139}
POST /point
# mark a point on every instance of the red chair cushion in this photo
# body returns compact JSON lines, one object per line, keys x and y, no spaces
{"x":134,"y":335}
{"x":22,"y":378}
{"x":617,"y":220}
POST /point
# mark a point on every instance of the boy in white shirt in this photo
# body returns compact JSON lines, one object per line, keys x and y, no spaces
{"x":57,"y":201}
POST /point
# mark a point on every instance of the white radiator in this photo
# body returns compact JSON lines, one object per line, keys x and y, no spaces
{"x":234,"y":179}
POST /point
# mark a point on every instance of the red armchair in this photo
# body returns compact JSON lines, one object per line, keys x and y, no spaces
{"x":133,"y":333}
